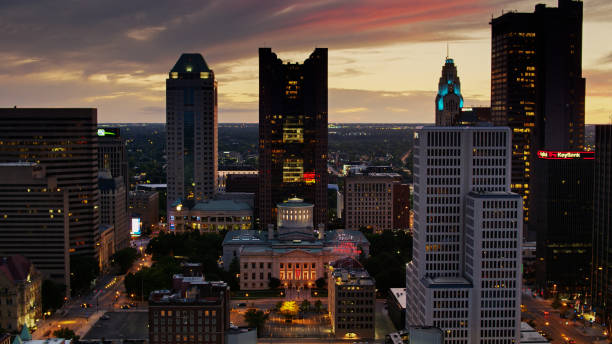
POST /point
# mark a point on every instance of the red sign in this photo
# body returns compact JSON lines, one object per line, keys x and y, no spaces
{"x":566,"y":155}
{"x":348,"y":248}
{"x":309,"y":177}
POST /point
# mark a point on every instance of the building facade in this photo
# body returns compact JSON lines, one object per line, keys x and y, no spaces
{"x":537,"y":87}
{"x":351,"y":294}
{"x":64,"y":141}
{"x":112,"y":155}
{"x":449,"y":100}
{"x":294,"y":254}
{"x":113,"y":209}
{"x":292,"y":133}
{"x":20,"y":293}
{"x":369,"y":201}
{"x":224,"y":175}
{"x":191,"y":130}
{"x":563,"y":195}
{"x":106,"y":247}
{"x":198,"y":312}
{"x":401,"y":206}
{"x":210,"y":216}
{"x":462,"y":183}
{"x":601,"y":275}
{"x":144,"y":205}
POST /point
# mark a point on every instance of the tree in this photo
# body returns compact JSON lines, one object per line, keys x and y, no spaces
{"x":274,"y":283}
{"x":124,"y":259}
{"x":65,"y":333}
{"x":83,"y":270}
{"x":321,"y":283}
{"x":158,"y":276}
{"x":318,"y":306}
{"x":52,"y":295}
{"x":256,"y":318}
{"x":305,"y":306}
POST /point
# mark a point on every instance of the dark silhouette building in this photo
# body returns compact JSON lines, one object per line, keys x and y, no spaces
{"x":601,"y":278}
{"x":449,"y":100}
{"x":537,"y":87}
{"x":563,"y":216}
{"x":292,"y":133}
{"x":112,"y":155}
{"x":401,"y":206}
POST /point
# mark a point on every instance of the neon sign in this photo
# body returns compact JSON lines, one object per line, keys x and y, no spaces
{"x":102,"y":132}
{"x":555,"y":155}
{"x":309,"y":177}
{"x":348,"y":248}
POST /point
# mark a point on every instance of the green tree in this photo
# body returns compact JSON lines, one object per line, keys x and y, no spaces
{"x":65,"y":333}
{"x":274,"y":283}
{"x":256,"y":318}
{"x":52,"y":295}
{"x":124,"y":259}
{"x":83,"y":270}
{"x":305,"y":306}
{"x":158,"y":276}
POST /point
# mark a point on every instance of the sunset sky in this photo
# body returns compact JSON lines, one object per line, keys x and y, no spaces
{"x":385,"y":57}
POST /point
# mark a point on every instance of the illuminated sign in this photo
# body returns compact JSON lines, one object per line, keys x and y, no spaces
{"x":103,"y":132}
{"x":135,"y":233}
{"x":348,"y":248}
{"x":309,"y":177}
{"x":566,"y":155}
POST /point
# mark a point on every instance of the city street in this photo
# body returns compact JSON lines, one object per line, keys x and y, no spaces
{"x":559,"y":330}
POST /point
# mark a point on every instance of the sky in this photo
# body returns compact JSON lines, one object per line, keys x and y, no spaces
{"x":385,"y":56}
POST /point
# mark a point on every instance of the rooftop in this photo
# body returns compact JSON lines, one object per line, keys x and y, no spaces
{"x":447,"y":282}
{"x":400,"y":295}
{"x":221,"y":205}
{"x":16,"y":268}
{"x":294,"y":202}
{"x":190,"y":63}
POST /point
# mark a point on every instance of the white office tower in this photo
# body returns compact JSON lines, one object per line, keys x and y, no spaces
{"x":464,"y":277}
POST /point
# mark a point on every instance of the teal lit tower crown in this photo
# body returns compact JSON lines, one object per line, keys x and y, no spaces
{"x":449,"y":100}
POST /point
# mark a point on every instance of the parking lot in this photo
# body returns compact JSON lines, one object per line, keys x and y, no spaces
{"x":121,"y":325}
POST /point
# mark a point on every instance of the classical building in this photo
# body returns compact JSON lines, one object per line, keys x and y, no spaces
{"x":351,"y":300}
{"x":563,"y":204}
{"x":53,"y":138}
{"x":34,"y":219}
{"x":465,"y":275}
{"x":197,"y":311}
{"x":292,"y":133}
{"x":295,"y":254}
{"x":191,"y":130}
{"x":113,"y":210}
{"x":20,"y":293}
{"x":210,"y":216}
{"x":375,"y":200}
{"x":106,"y":246}
{"x":601,"y":275}
{"x":449,"y":100}
{"x":537,"y":88}
{"x":144,"y":205}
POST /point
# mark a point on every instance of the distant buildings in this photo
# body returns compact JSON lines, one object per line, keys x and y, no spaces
{"x":191,"y":130}
{"x":292,"y":133}
{"x":294,"y":254}
{"x":20,"y":293}
{"x":113,"y":209}
{"x":53,"y":138}
{"x":210,"y":216}
{"x":196,"y":312}
{"x":449,"y":100}
{"x":376,"y":201}
{"x":563,"y":218}
{"x":601,"y":277}
{"x":351,"y":300}
{"x":144,"y":205}
{"x":465,"y":275}
{"x":537,"y":87}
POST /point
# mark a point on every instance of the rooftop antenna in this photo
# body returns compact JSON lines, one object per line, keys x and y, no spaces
{"x":447,"y":54}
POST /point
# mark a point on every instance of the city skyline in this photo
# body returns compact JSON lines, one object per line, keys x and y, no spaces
{"x":383,"y":61}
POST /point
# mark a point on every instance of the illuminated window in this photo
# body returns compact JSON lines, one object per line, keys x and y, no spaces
{"x":204,"y":75}
{"x":293,"y":170}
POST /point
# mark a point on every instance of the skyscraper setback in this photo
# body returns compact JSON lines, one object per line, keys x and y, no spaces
{"x":191,"y":126}
{"x":537,"y":87}
{"x":292,"y":133}
{"x":449,"y":100}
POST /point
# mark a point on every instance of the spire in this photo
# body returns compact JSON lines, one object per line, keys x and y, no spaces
{"x":447,"y":51}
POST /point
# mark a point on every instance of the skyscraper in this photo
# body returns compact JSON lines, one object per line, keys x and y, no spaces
{"x":601,"y":276}
{"x":112,"y":155}
{"x":449,"y":100}
{"x":65,"y":143}
{"x":113,"y":210}
{"x":292,"y":133}
{"x":537,"y":87}
{"x":191,"y":130}
{"x":465,"y":275}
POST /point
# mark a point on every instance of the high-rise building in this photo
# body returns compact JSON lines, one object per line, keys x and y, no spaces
{"x":369,"y":200}
{"x":465,"y":275}
{"x":601,"y":275}
{"x":401,"y":206}
{"x":351,"y":296}
{"x":191,"y":130}
{"x":113,"y":210}
{"x":201,"y":307}
{"x":449,"y":100}
{"x":144,"y":205}
{"x":112,"y":156}
{"x":563,"y":216}
{"x":292,"y":133}
{"x":65,"y":143}
{"x":34,"y":219}
{"x":537,"y":87}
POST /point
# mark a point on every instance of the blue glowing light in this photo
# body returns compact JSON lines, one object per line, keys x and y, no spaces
{"x":440,"y":104}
